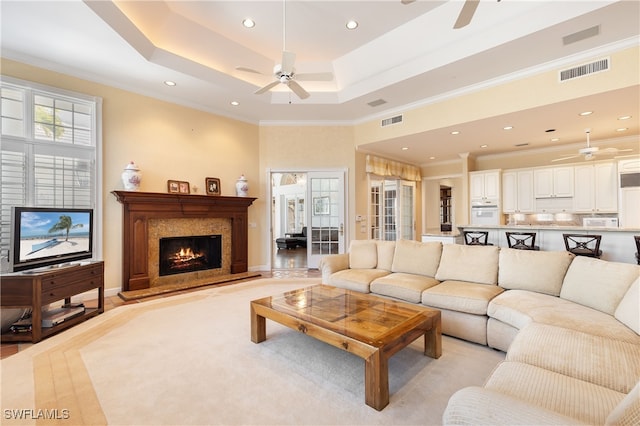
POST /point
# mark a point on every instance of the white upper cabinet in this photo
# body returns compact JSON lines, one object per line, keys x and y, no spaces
{"x":554,"y":182}
{"x":517,"y":192}
{"x":596,"y":188}
{"x":485,"y":187}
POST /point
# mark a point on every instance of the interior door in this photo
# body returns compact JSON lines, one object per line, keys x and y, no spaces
{"x":325,"y":215}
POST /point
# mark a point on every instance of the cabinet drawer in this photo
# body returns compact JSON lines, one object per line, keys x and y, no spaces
{"x":69,"y":277}
{"x":70,"y":289}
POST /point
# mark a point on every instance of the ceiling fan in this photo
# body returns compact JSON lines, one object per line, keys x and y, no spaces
{"x":285,"y":72}
{"x":590,"y":152}
{"x":466,"y":13}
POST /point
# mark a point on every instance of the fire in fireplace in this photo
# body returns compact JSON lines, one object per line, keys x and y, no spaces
{"x":189,"y":254}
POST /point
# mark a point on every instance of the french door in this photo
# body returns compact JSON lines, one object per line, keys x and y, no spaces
{"x":325,"y":215}
{"x":392,"y":209}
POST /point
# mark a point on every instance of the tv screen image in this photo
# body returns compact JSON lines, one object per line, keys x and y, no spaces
{"x":47,"y":236}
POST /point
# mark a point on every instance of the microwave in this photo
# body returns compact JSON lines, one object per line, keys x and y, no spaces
{"x":600,"y":222}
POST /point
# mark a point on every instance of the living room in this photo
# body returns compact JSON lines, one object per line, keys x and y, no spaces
{"x":172,"y":141}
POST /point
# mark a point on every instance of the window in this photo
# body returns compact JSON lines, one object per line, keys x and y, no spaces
{"x":50,"y":151}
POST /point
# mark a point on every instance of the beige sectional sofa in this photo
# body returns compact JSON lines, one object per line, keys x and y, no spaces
{"x":570,"y":325}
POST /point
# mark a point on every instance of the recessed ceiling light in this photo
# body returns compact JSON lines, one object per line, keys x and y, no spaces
{"x":351,"y":24}
{"x":432,"y":158}
{"x":586,"y":113}
{"x":235,"y":103}
{"x":555,"y":139}
{"x":455,"y":132}
{"x":621,"y":129}
{"x":170,"y":83}
{"x":624,"y":117}
{"x":484,"y":146}
{"x":248,"y":23}
{"x":404,"y":148}
{"x":507,"y":128}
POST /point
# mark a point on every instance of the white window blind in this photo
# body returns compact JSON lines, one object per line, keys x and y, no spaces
{"x":49,"y":151}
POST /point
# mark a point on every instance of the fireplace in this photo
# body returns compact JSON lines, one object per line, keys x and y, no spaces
{"x":180,"y":255}
{"x":149,"y":216}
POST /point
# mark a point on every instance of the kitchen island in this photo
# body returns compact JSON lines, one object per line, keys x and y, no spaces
{"x":445,"y":237}
{"x":617,"y":244}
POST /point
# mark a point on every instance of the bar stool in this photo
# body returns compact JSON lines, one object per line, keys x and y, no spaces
{"x":476,"y":238}
{"x":522,"y":240}
{"x":583,"y":245}
{"x":637,"y":238}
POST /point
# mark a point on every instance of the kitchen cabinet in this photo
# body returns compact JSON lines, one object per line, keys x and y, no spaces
{"x":517,"y":191}
{"x":485,"y":187}
{"x":596,"y":188}
{"x":554,"y":182}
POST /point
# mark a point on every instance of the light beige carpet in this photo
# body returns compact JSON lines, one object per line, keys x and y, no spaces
{"x":188,"y":359}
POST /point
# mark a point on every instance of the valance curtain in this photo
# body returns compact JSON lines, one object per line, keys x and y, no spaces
{"x":383,"y":167}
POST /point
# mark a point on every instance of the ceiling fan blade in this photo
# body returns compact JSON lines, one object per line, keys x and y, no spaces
{"x":565,"y":158}
{"x":245,"y":69}
{"x":468,"y":9}
{"x":615,"y":150}
{"x":315,"y":76}
{"x":267,"y":87}
{"x":297,"y":89}
{"x":288,"y":59}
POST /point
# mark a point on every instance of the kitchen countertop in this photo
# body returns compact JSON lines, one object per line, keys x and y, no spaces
{"x":436,"y":232}
{"x":551,"y":228}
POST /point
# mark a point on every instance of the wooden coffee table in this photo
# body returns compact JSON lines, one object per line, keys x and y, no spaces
{"x":372,"y":327}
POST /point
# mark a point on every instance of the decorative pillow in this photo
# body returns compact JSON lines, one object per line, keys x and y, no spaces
{"x":415,"y":257}
{"x":475,"y":264}
{"x":598,"y":284}
{"x":363,"y":254}
{"x":628,"y":311}
{"x":386,"y":249}
{"x":539,"y":271}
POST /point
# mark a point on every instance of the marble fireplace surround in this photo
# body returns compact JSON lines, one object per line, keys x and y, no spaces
{"x":148,"y":216}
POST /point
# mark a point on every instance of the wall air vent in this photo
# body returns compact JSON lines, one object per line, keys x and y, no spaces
{"x":393,"y":120}
{"x":585,"y":69}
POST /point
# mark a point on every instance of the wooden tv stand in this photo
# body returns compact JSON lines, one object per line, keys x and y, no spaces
{"x":39,"y":288}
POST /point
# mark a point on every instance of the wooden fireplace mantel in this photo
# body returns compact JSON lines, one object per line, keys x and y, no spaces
{"x":139,"y":207}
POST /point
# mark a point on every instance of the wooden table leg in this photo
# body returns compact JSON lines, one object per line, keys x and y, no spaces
{"x":258,"y":327}
{"x":433,"y":340}
{"x":376,"y":380}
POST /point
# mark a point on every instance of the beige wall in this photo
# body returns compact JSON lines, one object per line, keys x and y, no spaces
{"x":167,"y":141}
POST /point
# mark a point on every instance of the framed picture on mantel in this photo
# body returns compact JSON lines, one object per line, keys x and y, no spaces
{"x":178,"y":187}
{"x":212,"y":185}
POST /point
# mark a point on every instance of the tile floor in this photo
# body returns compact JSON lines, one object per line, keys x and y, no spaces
{"x":110,"y":302}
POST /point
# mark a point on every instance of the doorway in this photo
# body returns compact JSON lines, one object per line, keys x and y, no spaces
{"x":307,"y":217}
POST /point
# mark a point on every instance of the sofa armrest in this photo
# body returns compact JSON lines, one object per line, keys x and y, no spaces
{"x":333,"y":263}
{"x":479,"y":406}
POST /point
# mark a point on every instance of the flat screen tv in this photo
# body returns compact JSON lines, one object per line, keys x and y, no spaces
{"x":50,"y":236}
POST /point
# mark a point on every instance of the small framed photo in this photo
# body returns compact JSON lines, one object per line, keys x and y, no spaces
{"x":178,"y":187}
{"x":173,"y":186}
{"x":212,"y":185}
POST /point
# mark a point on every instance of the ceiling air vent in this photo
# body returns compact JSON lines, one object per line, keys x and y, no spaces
{"x":393,"y":120}
{"x":585,"y":69}
{"x":377,"y":102}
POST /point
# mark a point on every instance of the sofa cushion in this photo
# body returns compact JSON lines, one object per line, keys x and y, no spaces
{"x":415,"y":257}
{"x":363,"y":254}
{"x":476,"y":264}
{"x":474,"y":405}
{"x":386,"y":250}
{"x":356,"y":279}
{"x":403,"y":286}
{"x":628,"y":411}
{"x":556,"y":392}
{"x":597,"y":283}
{"x":518,"y":308}
{"x":461,"y":296}
{"x":628,"y":310}
{"x":539,"y":271}
{"x":606,"y":362}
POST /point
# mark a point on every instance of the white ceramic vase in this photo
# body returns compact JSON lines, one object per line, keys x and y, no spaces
{"x":131,"y":177}
{"x":242,"y":187}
